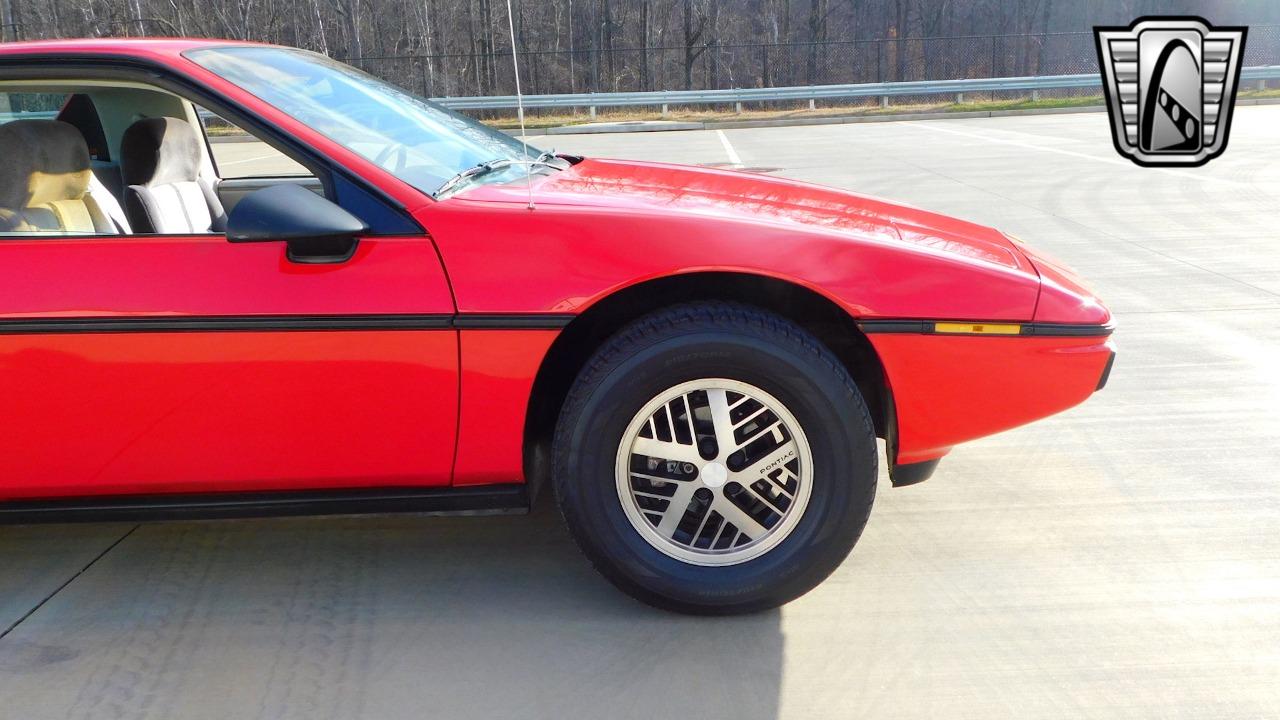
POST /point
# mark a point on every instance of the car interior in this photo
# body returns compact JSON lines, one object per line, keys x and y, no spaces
{"x":89,"y":158}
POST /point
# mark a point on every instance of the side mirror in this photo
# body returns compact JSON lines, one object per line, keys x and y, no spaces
{"x":316,"y":230}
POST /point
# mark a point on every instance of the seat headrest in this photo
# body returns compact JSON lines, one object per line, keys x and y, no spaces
{"x":159,"y":151}
{"x":44,"y":161}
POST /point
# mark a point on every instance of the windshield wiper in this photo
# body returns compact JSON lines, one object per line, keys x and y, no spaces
{"x":546,"y":159}
{"x":470,"y":174}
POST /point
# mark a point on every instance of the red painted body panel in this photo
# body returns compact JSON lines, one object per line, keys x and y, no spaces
{"x":604,"y":225}
{"x":205,"y":412}
{"x":498,"y":371}
{"x":949,"y":389}
{"x":113,"y":413}
{"x":156,"y":412}
{"x":206,"y":275}
{"x":1064,"y":297}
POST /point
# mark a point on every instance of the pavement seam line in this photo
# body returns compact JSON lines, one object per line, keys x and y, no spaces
{"x":63,"y":586}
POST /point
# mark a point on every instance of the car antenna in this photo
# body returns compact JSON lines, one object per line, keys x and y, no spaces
{"x":524,"y":139}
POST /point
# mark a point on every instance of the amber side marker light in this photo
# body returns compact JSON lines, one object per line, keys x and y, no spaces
{"x":977,"y":328}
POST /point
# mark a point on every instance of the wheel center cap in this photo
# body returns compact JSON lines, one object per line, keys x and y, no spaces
{"x":714,"y":475}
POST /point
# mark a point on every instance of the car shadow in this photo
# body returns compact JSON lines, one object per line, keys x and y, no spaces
{"x":378,"y":617}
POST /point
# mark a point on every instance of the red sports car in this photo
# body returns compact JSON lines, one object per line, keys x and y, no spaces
{"x":420,"y":314}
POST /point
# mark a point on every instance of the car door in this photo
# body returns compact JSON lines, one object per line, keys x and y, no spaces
{"x":140,"y":364}
{"x":159,"y":364}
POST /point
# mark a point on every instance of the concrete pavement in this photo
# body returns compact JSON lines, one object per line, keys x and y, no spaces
{"x":1121,"y":560}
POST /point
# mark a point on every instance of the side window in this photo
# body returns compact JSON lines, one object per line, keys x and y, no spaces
{"x":127,"y":160}
{"x":50,"y":187}
{"x":30,"y":106}
{"x":246,"y":164}
{"x":237,"y":154}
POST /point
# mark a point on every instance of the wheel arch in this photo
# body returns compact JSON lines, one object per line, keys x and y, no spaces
{"x":806,"y":307}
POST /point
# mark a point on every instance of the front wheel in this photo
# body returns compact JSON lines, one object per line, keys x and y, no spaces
{"x":715,"y":459}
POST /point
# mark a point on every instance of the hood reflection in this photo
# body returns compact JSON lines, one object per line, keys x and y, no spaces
{"x":746,"y":197}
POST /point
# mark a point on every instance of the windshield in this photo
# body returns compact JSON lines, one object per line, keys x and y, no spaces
{"x":417,"y":140}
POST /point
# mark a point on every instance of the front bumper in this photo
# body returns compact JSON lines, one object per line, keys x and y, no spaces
{"x":951,"y":388}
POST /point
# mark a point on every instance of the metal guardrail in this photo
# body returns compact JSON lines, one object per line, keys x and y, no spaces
{"x":801,"y":92}
{"x":805,"y":92}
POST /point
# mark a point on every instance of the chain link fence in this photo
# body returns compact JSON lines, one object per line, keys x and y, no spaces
{"x":761,"y":65}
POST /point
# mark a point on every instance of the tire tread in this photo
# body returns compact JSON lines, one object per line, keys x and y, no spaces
{"x":652,"y":329}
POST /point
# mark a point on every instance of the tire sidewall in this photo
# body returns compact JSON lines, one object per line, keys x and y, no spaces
{"x":844,"y":465}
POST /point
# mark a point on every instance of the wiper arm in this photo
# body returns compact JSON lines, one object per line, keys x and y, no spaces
{"x":470,"y":174}
{"x":546,"y":159}
{"x":551,"y":159}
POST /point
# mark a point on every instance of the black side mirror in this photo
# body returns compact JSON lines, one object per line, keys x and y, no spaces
{"x":316,"y":230}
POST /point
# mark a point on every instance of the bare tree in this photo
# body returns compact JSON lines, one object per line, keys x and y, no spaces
{"x":461,"y":47}
{"x":695,"y":24}
{"x":350,"y":11}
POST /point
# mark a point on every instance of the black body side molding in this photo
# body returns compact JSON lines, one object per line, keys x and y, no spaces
{"x":1106,"y":372}
{"x":1025,"y":329}
{"x":482,"y":500}
{"x":282,"y":323}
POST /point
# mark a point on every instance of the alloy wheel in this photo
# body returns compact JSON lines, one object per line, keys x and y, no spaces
{"x":714,"y":472}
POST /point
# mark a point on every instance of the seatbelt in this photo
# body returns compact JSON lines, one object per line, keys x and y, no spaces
{"x":108,"y":204}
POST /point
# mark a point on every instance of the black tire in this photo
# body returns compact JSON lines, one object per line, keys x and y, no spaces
{"x":731,"y":341}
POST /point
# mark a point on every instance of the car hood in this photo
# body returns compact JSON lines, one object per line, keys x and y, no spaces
{"x":756,"y":198}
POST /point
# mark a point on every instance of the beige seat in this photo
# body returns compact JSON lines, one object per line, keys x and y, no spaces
{"x":46,"y":184}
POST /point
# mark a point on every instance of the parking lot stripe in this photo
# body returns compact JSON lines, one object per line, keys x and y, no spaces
{"x":728,"y":149}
